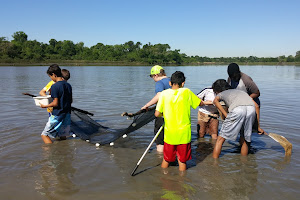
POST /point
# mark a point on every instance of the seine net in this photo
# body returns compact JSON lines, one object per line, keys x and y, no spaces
{"x":88,"y":129}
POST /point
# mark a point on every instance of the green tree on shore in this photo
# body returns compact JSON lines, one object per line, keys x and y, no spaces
{"x":22,"y":50}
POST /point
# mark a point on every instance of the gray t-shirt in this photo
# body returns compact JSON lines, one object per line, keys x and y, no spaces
{"x":234,"y":98}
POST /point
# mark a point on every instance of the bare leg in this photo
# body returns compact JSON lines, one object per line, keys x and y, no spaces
{"x":46,"y":139}
{"x":244,"y":148}
{"x":160,"y":148}
{"x":202,"y":129}
{"x":182,"y":166}
{"x":164,"y":164}
{"x":213,"y":128}
{"x":218,"y":147}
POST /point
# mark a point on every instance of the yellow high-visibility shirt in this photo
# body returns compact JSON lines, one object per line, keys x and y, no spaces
{"x":176,"y":108}
{"x":48,"y":86}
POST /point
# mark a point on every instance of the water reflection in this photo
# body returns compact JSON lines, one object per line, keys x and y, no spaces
{"x":56,"y":172}
{"x":175,"y":187}
{"x":233,"y":178}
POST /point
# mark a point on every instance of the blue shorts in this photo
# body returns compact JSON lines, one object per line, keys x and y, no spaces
{"x":58,"y":126}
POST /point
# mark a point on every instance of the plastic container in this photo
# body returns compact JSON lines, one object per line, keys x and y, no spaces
{"x":45,"y":100}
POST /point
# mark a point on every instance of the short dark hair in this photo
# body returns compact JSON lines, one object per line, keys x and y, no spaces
{"x":162,"y":73}
{"x":54,"y":69}
{"x":220,"y":85}
{"x":234,"y":72}
{"x":177,"y":78}
{"x":65,"y":74}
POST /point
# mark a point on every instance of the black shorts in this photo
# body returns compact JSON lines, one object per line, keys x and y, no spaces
{"x":159,"y":121}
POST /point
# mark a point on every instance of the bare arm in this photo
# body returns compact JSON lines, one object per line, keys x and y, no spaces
{"x":219,"y":106}
{"x":158,"y":114}
{"x":153,"y":101}
{"x":255,"y":95}
{"x":43,"y":92}
{"x":207,"y":103}
{"x":251,"y":87}
{"x":54,"y":103}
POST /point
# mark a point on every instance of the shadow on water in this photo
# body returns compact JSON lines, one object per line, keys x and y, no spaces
{"x":257,"y":144}
{"x":151,"y":167}
{"x":201,"y":148}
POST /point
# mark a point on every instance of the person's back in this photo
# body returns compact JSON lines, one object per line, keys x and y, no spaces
{"x":162,"y":85}
{"x":234,"y":98}
{"x":177,"y":114}
{"x":63,"y":91}
{"x":175,"y":105}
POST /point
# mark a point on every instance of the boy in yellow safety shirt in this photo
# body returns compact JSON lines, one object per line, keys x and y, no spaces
{"x":175,"y":105}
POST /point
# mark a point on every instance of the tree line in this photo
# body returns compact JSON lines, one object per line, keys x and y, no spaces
{"x":22,"y":50}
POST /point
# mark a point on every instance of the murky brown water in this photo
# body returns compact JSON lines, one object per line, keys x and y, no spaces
{"x":74,"y":169}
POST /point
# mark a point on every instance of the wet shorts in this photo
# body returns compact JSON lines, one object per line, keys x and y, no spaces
{"x":183,"y":152}
{"x":58,"y":126}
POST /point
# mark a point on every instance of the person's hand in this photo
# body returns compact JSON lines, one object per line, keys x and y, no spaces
{"x":42,"y":106}
{"x":260,"y":131}
{"x":144,"y":108}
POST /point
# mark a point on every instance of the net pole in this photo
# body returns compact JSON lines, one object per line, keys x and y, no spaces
{"x":139,"y":162}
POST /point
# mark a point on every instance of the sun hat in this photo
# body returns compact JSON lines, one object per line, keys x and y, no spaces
{"x":155,"y":70}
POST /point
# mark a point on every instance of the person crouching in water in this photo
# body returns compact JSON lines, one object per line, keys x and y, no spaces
{"x":239,"y":119}
{"x":175,"y":105}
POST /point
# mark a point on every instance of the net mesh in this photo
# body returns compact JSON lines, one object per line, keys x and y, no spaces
{"x":88,"y":129}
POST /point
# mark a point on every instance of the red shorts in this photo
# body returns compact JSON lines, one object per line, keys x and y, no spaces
{"x":183,"y":152}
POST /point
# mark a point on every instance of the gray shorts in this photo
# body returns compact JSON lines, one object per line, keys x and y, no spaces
{"x":241,"y":117}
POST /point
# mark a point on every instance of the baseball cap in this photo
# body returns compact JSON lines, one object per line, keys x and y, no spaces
{"x":155,"y":70}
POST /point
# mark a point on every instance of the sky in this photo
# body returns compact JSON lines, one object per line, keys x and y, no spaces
{"x":212,"y":28}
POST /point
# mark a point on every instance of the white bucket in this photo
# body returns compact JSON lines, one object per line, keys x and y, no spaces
{"x":45,"y":100}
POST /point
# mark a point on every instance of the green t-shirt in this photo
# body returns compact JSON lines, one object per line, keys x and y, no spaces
{"x":176,"y":108}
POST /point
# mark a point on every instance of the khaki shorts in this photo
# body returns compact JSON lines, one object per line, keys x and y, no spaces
{"x":205,"y":117}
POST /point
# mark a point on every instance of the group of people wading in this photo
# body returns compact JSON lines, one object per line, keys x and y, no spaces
{"x":173,"y":106}
{"x":173,"y":102}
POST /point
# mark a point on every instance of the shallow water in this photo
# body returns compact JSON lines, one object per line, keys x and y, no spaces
{"x":74,"y":169}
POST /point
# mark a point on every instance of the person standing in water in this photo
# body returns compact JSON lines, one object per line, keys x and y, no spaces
{"x":158,"y":74}
{"x":241,"y":81}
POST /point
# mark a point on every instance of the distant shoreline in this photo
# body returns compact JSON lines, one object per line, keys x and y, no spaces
{"x":84,"y":63}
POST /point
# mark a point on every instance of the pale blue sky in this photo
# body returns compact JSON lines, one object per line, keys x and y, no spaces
{"x":213,"y":28}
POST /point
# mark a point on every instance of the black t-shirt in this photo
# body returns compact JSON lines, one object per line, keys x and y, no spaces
{"x":63,"y":91}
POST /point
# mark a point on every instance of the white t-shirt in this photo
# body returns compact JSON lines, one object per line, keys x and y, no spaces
{"x":207,"y":94}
